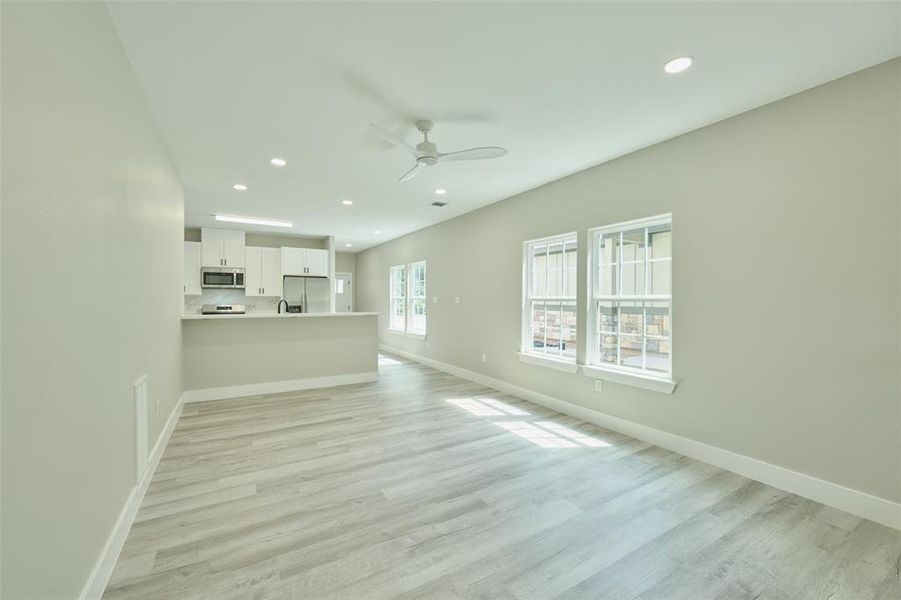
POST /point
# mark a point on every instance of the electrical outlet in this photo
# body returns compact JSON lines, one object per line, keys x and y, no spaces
{"x":598,"y":385}
{"x":484,"y":358}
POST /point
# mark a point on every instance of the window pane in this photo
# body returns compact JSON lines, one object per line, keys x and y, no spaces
{"x":632,"y":245}
{"x":418,"y":316}
{"x":633,"y":279}
{"x":555,"y":270}
{"x":396,"y":315}
{"x":607,"y":348}
{"x":631,"y":318}
{"x":607,"y":250}
{"x":630,"y":352}
{"x":568,"y":331}
{"x":538,"y":326}
{"x":660,"y":277}
{"x":658,"y":319}
{"x":661,"y":241}
{"x":609,"y":273}
{"x":607,"y":318}
{"x":658,"y":356}
{"x":554,"y":328}
{"x":570,"y":271}
{"x":539,"y":266}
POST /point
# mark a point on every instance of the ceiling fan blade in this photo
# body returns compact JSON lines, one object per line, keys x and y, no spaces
{"x":473,"y":153}
{"x":390,"y":137}
{"x":411,"y":173}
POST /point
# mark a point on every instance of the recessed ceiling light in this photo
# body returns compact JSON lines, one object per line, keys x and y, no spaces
{"x":678,"y":64}
{"x":441,"y":191}
{"x":278,"y":162}
{"x":240,"y":187}
{"x":347,"y":202}
{"x":252,"y":221}
{"x":348,"y":245}
{"x":376,"y":232}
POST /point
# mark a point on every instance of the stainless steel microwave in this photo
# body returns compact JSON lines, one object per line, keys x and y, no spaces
{"x":221,"y":277}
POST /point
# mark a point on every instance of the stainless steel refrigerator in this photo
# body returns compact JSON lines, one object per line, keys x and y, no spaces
{"x":310,"y":292}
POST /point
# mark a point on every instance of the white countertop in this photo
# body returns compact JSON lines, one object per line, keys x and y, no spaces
{"x":199,"y":317}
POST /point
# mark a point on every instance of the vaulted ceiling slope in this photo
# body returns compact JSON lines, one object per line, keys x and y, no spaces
{"x":563,"y":86}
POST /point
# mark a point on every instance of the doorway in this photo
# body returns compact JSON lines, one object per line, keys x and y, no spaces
{"x":344,"y":295}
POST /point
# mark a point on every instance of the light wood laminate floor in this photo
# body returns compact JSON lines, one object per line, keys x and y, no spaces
{"x":424,"y":485}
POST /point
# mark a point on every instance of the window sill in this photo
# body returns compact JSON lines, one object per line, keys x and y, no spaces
{"x":664,"y":386}
{"x":552,"y":363}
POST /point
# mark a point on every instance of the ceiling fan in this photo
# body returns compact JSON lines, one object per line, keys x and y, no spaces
{"x":426,"y":153}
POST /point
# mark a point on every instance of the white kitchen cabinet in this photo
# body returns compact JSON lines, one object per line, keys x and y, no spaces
{"x":192,"y":269}
{"x":317,"y":262}
{"x":271,"y":270}
{"x":262,"y":272}
{"x":309,"y":262}
{"x":222,"y":248}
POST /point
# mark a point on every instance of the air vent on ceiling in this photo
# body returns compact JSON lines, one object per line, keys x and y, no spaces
{"x":439,"y":203}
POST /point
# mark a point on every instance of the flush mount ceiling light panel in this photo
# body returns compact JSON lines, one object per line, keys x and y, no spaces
{"x":678,"y":64}
{"x":240,"y":187}
{"x":278,"y":162}
{"x":426,"y":153}
{"x":252,"y":221}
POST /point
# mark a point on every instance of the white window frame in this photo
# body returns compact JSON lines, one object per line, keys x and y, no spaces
{"x":408,"y":298}
{"x":392,"y":298}
{"x":411,"y":298}
{"x":641,"y":377}
{"x":527,"y":353}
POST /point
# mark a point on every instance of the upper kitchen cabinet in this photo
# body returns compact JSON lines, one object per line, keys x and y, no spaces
{"x":222,"y":248}
{"x":305,"y":262}
{"x":192,"y":269}
{"x":262,"y":275}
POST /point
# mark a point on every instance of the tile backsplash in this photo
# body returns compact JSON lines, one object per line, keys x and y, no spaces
{"x":193,"y":304}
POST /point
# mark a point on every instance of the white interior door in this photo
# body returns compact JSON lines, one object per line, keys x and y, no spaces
{"x":344,"y":296}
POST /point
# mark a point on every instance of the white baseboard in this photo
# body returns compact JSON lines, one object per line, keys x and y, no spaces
{"x":277,"y":387}
{"x":106,"y":562}
{"x":838,"y":496}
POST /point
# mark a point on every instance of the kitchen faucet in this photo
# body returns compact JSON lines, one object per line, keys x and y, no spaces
{"x":280,"y":305}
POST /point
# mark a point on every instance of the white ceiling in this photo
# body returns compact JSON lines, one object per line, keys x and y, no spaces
{"x":563,"y":86}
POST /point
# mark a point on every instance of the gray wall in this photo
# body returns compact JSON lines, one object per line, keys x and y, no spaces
{"x":786,"y":281}
{"x":92,"y":209}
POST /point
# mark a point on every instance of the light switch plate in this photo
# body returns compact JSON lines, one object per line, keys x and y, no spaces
{"x":456,"y":299}
{"x":434,"y":299}
{"x":598,"y":385}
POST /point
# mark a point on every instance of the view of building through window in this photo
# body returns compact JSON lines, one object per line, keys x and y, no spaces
{"x":551,"y":297}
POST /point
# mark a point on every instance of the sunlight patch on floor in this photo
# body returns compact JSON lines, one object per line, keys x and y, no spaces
{"x":536,"y":435}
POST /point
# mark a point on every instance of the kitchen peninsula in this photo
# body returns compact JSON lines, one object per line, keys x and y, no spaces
{"x":230,"y":356}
